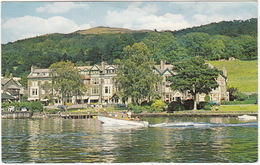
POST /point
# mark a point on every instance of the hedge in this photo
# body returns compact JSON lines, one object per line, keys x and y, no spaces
{"x":32,"y":106}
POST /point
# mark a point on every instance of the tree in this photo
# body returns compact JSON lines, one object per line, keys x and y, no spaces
{"x":66,"y":80}
{"x":7,"y":73}
{"x":249,"y":45}
{"x":196,"y":43}
{"x":162,"y":46}
{"x":195,"y":76}
{"x":135,"y":77}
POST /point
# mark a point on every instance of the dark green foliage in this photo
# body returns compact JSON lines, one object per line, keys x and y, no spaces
{"x":204,"y":106}
{"x":135,"y":78}
{"x":195,"y":76}
{"x":66,"y":80}
{"x":214,"y":41}
{"x":145,"y":103}
{"x":232,"y":90}
{"x":188,"y":104}
{"x":239,"y":96}
{"x":227,"y":28}
{"x":235,"y":95}
{"x":175,"y":106}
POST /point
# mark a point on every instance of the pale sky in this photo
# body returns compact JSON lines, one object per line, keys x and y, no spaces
{"x":21,"y":20}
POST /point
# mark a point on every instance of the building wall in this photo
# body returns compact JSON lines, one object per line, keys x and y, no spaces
{"x":99,"y":80}
{"x":12,"y":87}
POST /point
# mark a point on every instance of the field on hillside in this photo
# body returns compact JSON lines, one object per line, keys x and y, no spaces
{"x":241,"y":74}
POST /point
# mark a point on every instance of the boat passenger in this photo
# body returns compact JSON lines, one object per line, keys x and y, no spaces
{"x":129,"y":114}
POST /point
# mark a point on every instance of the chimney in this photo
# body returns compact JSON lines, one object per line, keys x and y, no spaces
{"x":162,"y":64}
{"x":103,"y":65}
{"x":33,"y":67}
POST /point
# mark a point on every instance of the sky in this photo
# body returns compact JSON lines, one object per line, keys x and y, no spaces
{"x":20,"y":20}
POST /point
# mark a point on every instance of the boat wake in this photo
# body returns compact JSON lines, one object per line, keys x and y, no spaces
{"x":203,"y":125}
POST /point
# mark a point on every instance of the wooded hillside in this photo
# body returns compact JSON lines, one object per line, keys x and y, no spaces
{"x":214,"y":41}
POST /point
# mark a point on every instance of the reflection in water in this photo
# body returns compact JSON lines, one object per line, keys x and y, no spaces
{"x":86,"y":141}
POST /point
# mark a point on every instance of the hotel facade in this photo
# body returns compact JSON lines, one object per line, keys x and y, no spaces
{"x":101,"y":87}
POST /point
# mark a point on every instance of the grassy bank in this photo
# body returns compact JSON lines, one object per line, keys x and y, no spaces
{"x":241,"y":74}
{"x":245,"y":108}
{"x":238,"y":108}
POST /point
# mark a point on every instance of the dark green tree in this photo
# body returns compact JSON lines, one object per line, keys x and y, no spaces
{"x":7,"y":73}
{"x":249,"y":45}
{"x":162,"y":46}
{"x":195,"y":76}
{"x":66,"y":80}
{"x":196,"y":43}
{"x":135,"y":78}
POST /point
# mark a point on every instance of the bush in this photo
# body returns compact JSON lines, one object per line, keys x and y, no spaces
{"x":36,"y":107}
{"x":240,"y":96}
{"x":158,"y":105}
{"x":188,"y":104}
{"x":253,"y":97}
{"x":204,"y":106}
{"x":144,"y":103}
{"x":51,"y":111}
{"x":32,"y":106}
{"x":175,"y":106}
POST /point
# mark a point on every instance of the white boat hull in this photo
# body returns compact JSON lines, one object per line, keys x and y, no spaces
{"x":110,"y":121}
{"x":247,"y":117}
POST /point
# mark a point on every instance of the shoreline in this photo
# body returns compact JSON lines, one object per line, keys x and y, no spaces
{"x":194,"y":114}
{"x":80,"y":115}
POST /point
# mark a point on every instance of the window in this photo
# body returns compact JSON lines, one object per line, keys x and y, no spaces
{"x":95,"y":81}
{"x":107,"y":81}
{"x":107,"y":90}
{"x":34,"y":83}
{"x":95,"y":72}
{"x":111,"y":71}
{"x":95,"y":90}
{"x":34,"y":91}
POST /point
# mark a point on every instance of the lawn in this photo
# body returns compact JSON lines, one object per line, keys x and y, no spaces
{"x":241,"y":74}
{"x":238,"y":108}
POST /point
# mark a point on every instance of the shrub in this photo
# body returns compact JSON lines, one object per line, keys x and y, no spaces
{"x":33,"y":106}
{"x":175,"y":106}
{"x":188,"y":104}
{"x":204,"y":105}
{"x":239,"y":96}
{"x":158,"y":105}
{"x":207,"y":106}
{"x":253,"y":97}
{"x":144,"y":103}
{"x":50,"y":111}
{"x":36,"y":107}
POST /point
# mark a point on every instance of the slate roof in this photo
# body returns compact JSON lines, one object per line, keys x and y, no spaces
{"x":5,"y":96}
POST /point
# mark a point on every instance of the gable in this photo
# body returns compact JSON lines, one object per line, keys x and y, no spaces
{"x":167,"y":72}
{"x":156,"y":70}
{"x":177,"y":94}
{"x":95,"y":68}
{"x":110,"y":67}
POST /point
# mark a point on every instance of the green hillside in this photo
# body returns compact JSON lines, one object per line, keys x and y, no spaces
{"x":213,"y":41}
{"x":241,"y":74}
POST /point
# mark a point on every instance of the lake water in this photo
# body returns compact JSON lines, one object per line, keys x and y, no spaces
{"x":189,"y":140}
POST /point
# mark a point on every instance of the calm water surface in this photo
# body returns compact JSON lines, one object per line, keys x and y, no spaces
{"x":86,"y":141}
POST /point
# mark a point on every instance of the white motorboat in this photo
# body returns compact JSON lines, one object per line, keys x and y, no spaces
{"x":247,"y":117}
{"x":114,"y":121}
